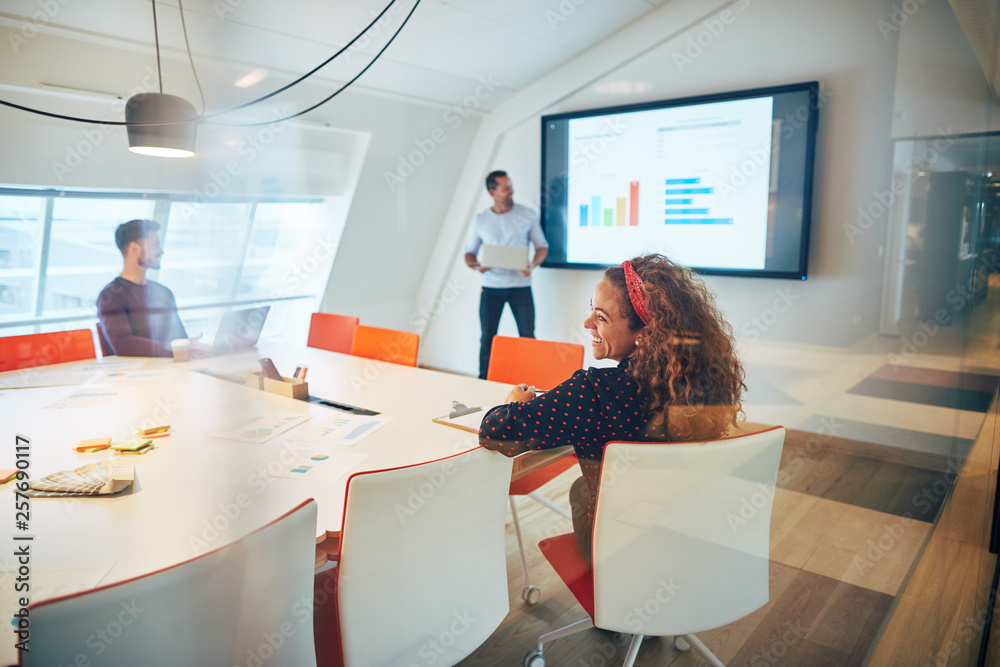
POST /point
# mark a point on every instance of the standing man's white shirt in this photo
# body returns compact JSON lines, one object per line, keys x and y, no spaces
{"x":516,"y":227}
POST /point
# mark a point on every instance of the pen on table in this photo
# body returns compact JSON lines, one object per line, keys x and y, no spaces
{"x":300,"y":372}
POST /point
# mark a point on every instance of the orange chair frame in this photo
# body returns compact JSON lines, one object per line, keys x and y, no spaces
{"x":398,"y":347}
{"x":31,"y":350}
{"x":330,"y":331}
{"x":544,"y":364}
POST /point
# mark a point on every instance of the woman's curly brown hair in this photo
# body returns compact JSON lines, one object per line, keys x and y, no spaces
{"x":685,"y":360}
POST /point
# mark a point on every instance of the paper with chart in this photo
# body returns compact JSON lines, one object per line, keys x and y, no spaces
{"x":138,"y":375}
{"x":318,"y":466}
{"x":260,"y":428}
{"x":87,"y":397}
{"x":341,"y":430}
{"x":35,"y":377}
{"x":47,"y":581}
{"x":109,"y":365}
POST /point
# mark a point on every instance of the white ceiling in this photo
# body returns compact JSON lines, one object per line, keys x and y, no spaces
{"x":445,"y":51}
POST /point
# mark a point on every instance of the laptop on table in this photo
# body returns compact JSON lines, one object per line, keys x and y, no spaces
{"x":240,"y":329}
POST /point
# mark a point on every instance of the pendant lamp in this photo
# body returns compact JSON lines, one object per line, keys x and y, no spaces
{"x":159,"y":124}
{"x":150,"y":131}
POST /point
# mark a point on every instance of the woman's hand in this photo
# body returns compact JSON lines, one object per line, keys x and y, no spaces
{"x":520,"y":393}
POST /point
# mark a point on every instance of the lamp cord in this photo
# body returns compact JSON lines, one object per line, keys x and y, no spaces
{"x":334,"y":93}
{"x":156,"y":39}
{"x":314,"y":69}
{"x":201,"y":93}
{"x":93,"y":121}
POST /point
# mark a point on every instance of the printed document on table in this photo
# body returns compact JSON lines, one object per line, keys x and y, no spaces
{"x":341,"y":430}
{"x":134,"y":375}
{"x":259,"y":428}
{"x":34,"y":377}
{"x":318,"y":466}
{"x":109,"y":365}
{"x":47,"y":581}
{"x":87,"y":397}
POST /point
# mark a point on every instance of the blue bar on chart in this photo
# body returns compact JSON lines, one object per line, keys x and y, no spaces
{"x":583,"y":215}
{"x":688,"y":191}
{"x":595,"y":211}
{"x":683,"y":181}
{"x":678,"y":201}
{"x":698,"y":221}
{"x":686,"y":211}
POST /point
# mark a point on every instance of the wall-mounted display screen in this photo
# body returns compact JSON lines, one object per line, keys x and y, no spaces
{"x":721,"y":183}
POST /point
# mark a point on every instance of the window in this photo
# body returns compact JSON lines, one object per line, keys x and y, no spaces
{"x":82,"y":255}
{"x":202,"y":249}
{"x":21,"y":229}
{"x":217,"y":255}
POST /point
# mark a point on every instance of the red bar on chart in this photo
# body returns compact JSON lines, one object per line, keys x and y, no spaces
{"x":633,"y":204}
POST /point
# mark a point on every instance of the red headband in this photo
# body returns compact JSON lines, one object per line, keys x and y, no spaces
{"x":635,"y":292}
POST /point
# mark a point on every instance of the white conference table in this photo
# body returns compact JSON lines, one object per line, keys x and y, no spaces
{"x":194,"y":492}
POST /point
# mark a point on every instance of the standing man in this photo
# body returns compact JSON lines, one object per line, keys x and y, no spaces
{"x":138,"y":317}
{"x":510,"y":224}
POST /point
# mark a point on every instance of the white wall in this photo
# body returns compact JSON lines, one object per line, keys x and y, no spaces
{"x":766,"y":43}
{"x":395,"y":219}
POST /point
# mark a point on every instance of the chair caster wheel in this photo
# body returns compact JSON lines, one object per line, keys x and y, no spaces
{"x":531,"y":595}
{"x":681,"y":644}
{"x":534,"y":658}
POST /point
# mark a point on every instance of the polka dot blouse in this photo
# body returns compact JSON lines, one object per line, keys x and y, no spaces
{"x":592,"y":408}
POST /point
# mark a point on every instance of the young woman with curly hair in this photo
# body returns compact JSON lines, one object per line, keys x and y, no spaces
{"x":678,"y":378}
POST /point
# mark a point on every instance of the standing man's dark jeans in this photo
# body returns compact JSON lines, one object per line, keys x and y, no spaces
{"x":491,"y":303}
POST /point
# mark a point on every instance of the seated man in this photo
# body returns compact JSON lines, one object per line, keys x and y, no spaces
{"x":138,"y":317}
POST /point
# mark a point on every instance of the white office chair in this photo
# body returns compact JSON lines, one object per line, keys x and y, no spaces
{"x":681,"y":539}
{"x":250,"y":598}
{"x":422,"y":572}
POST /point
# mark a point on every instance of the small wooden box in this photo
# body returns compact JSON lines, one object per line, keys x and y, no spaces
{"x":290,"y":387}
